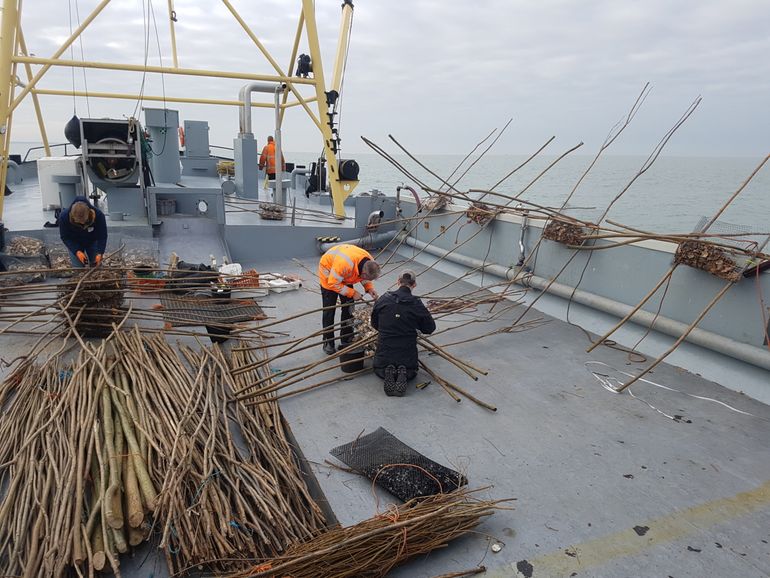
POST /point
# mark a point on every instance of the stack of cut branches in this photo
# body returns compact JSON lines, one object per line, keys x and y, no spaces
{"x":272,"y":211}
{"x":130,"y":443}
{"x":564,"y":232}
{"x":375,"y":546}
{"x":77,"y":480}
{"x":93,"y":300}
{"x":709,"y":258}
{"x":229,"y":485}
{"x":480,"y":213}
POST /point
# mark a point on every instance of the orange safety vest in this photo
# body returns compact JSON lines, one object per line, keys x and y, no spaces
{"x":267,"y":159}
{"x":338,"y":268}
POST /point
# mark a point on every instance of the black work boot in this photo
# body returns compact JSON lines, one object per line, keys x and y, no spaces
{"x":329,"y":348}
{"x":390,"y":386}
{"x":401,"y":379}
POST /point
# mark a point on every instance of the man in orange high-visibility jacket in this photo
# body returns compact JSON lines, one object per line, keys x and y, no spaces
{"x":267,"y":159}
{"x":339,"y":269}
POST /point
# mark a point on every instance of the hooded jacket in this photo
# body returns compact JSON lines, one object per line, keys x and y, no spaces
{"x":397,"y":316}
{"x":77,"y":238}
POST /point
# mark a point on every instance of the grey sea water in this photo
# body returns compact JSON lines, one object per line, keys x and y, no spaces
{"x":671,"y":196}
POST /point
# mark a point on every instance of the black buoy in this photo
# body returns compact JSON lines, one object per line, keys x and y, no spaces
{"x":72,"y":131}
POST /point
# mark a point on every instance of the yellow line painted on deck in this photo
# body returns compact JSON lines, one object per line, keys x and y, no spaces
{"x":662,"y":530}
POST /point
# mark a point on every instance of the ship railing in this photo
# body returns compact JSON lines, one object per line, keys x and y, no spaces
{"x":66,"y":146}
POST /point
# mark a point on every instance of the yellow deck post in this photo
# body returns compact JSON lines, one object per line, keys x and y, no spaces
{"x":7,"y":46}
{"x":35,"y":99}
{"x":171,"y":23}
{"x":340,"y":189}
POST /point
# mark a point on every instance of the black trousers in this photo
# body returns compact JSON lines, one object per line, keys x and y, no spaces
{"x":329,"y":299}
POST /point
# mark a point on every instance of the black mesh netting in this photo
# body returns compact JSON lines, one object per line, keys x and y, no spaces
{"x":396,"y":467}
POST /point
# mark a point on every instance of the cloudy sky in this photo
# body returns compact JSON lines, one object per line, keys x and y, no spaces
{"x":440,"y":74}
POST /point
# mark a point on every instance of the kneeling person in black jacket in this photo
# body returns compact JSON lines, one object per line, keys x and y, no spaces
{"x":398,"y":315}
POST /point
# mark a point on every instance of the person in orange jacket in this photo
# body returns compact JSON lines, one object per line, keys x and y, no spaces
{"x":340,"y":268}
{"x":267,"y":159}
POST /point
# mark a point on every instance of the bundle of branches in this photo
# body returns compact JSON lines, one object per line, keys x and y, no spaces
{"x":130,"y":443}
{"x":374,"y":547}
{"x":272,"y":211}
{"x":230,"y":487}
{"x":94,"y":298}
{"x":364,"y":332}
{"x":564,"y":232}
{"x":435,"y":203}
{"x":77,"y":481}
{"x":709,"y":258}
{"x":480,"y":213}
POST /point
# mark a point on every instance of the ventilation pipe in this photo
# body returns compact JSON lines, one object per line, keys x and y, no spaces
{"x":366,"y":242}
{"x":245,"y":123}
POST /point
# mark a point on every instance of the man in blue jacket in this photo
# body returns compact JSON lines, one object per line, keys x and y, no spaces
{"x":397,"y":316}
{"x":83,"y":229}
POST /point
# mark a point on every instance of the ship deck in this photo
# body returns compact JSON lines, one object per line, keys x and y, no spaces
{"x":23,"y":210}
{"x":605,"y":485}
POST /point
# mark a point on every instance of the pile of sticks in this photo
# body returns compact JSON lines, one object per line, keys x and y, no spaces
{"x":133,"y":441}
{"x":372,"y":548}
{"x":709,"y":258}
{"x":77,"y":481}
{"x":94,"y":300}
{"x":229,"y":484}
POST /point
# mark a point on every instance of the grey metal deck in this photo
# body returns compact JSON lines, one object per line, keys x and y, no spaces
{"x":586,"y":465}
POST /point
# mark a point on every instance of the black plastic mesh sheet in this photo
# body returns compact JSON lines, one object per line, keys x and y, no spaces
{"x":186,"y":310}
{"x":397,"y":468}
